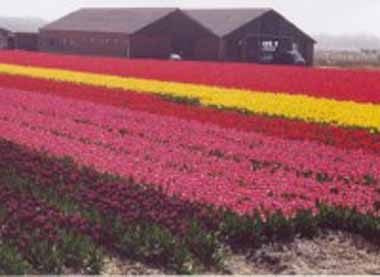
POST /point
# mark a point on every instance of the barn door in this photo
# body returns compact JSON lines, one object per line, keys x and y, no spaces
{"x":252,"y":49}
{"x":183,"y":46}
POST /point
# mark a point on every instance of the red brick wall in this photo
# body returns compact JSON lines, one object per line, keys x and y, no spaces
{"x":104,"y":44}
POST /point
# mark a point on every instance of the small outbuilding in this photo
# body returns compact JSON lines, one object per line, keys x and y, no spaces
{"x":20,"y":33}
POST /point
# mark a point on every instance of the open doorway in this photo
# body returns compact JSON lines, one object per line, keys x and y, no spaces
{"x":271,"y":49}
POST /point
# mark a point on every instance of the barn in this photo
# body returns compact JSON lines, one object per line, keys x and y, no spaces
{"x":125,"y":32}
{"x":20,"y":33}
{"x":241,"y":35}
{"x":253,"y":35}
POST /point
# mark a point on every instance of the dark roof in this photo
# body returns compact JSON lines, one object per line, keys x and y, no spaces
{"x":224,"y":21}
{"x":220,"y":22}
{"x":21,"y":25}
{"x":114,"y":20}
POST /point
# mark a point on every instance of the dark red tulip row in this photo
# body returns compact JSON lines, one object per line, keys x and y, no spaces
{"x":283,"y":128}
{"x":361,"y":86}
{"x":116,"y":198}
{"x":47,"y":238}
{"x":132,"y":203}
{"x":106,"y":209}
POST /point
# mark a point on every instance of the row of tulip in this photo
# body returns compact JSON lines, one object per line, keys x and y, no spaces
{"x":109,"y":202}
{"x":199,"y":163}
{"x":112,"y":197}
{"x":338,"y":137}
{"x":47,"y":240}
{"x":329,"y":83}
{"x":301,"y":107}
{"x":100,"y":215}
{"x":120,"y":127}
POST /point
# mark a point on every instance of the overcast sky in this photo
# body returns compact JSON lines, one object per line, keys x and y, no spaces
{"x":314,"y":16}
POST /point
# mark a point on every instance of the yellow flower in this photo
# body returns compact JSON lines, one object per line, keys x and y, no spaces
{"x":301,"y":107}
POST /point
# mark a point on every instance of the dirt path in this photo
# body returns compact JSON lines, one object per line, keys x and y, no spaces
{"x":331,"y":253}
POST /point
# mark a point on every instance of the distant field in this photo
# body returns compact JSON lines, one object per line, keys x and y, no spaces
{"x":348,"y":59}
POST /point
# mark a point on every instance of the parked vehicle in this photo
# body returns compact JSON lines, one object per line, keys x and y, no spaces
{"x":292,"y":57}
{"x":175,"y":57}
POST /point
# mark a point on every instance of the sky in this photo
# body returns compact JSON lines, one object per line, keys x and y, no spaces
{"x":343,"y":17}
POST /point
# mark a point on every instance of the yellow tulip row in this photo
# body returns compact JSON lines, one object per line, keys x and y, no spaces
{"x":301,"y":107}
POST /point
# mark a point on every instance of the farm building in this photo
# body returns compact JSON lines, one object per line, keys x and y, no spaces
{"x":19,"y":33}
{"x":134,"y":33}
{"x":246,"y":35}
{"x":253,"y":35}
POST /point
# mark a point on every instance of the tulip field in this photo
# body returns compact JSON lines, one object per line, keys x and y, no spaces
{"x":167,"y":162}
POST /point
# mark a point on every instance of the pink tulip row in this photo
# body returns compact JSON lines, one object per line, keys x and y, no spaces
{"x":119,"y":127}
{"x":181,"y":171}
{"x":280,"y":191}
{"x":155,"y":151}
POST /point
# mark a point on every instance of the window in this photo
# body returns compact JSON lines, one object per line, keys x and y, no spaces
{"x":269,"y":45}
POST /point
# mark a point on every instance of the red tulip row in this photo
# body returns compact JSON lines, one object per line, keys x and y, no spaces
{"x":287,"y":129}
{"x":116,"y":214}
{"x":48,"y":239}
{"x":113,"y":129}
{"x":119,"y":198}
{"x":361,"y":86}
{"x":115,"y":199}
{"x":198,"y":163}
